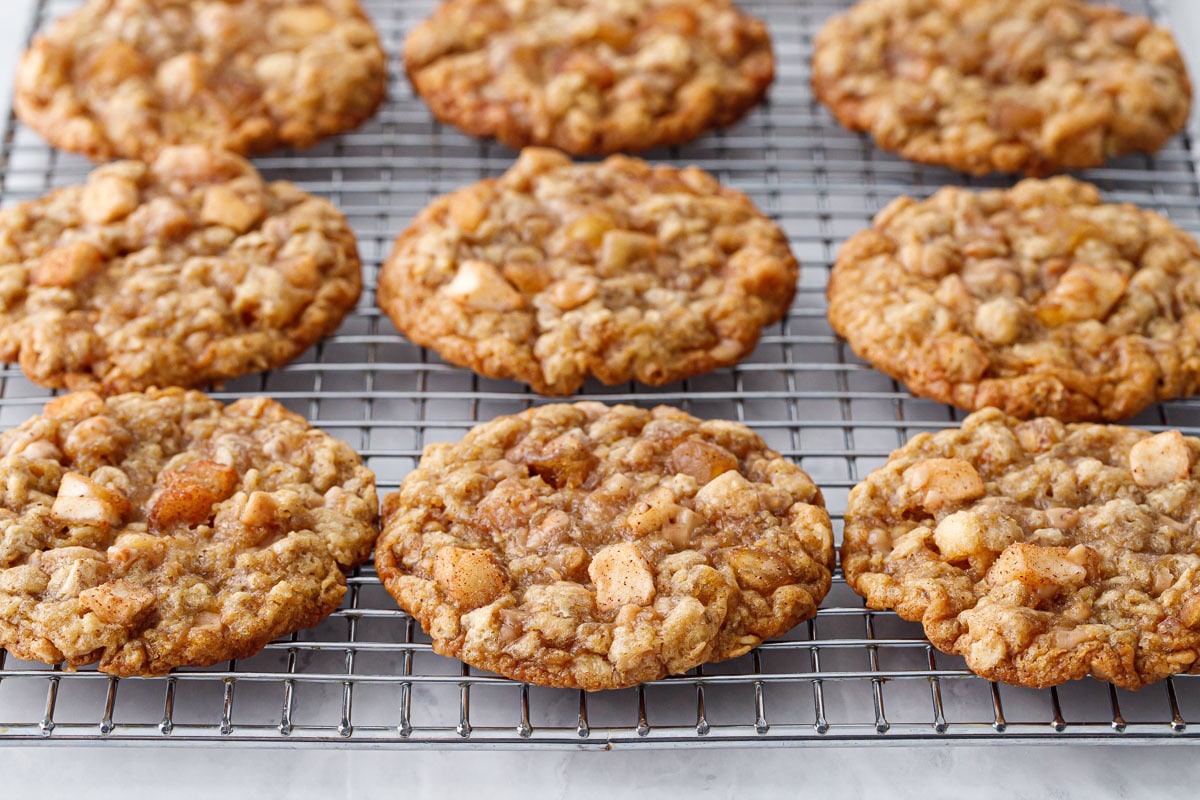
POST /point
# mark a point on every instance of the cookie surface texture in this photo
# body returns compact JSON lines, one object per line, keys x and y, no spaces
{"x":1033,"y":86}
{"x":589,"y":76}
{"x":1040,"y":552}
{"x":126,"y":78}
{"x":1039,"y":300}
{"x":596,"y":547}
{"x":620,"y":270}
{"x":188,"y":270}
{"x":155,"y":530}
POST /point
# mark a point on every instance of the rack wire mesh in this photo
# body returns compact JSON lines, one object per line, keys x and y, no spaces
{"x":367,"y":676}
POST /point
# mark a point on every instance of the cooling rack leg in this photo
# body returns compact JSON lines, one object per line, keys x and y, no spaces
{"x":46,"y":726}
{"x":1177,"y":723}
{"x":643,"y":723}
{"x":464,"y":706}
{"x":406,"y":664}
{"x":1059,"y":724}
{"x":935,"y":690}
{"x":167,"y":724}
{"x":881,"y":722}
{"x":110,"y":701}
{"x":524,"y":729}
{"x":998,"y":722}
{"x":582,"y":729}
{"x":1118,"y":722}
{"x":702,"y":727}
{"x":227,"y":706}
{"x":289,"y":695}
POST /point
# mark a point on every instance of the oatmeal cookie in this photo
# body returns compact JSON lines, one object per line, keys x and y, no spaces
{"x":1039,"y":551}
{"x":158,"y":530}
{"x":1031,"y":86}
{"x":619,"y":270}
{"x":589,"y":76}
{"x":187,"y":270}
{"x":1039,"y":300}
{"x":594,"y":547}
{"x":126,"y":78}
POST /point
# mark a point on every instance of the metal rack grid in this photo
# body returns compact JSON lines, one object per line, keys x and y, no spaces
{"x":367,"y":676}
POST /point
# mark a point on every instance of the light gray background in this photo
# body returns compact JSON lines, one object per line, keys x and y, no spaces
{"x":931,"y":772}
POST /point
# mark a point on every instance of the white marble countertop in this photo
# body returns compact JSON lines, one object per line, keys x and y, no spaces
{"x":947,"y":770}
{"x":932,"y":773}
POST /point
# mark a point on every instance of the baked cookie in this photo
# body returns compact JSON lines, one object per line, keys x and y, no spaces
{"x":187,"y":270}
{"x":594,"y":547}
{"x":158,"y":530}
{"x":126,"y":78}
{"x":1031,"y":86}
{"x":1040,"y":552}
{"x":620,"y":270}
{"x":1039,"y":300}
{"x":589,"y":76}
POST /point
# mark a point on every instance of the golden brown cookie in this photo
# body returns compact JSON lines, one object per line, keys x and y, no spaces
{"x":187,"y":270}
{"x":620,"y":270}
{"x":1031,"y":86}
{"x":589,"y":76}
{"x":126,"y":78}
{"x":1039,"y":552}
{"x":158,"y":530}
{"x":1039,"y":300}
{"x":595,"y":547}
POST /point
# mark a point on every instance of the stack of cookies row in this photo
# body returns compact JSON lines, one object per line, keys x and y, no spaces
{"x":145,"y":526}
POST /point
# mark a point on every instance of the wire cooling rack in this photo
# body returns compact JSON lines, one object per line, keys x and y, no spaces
{"x":367,"y":676}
